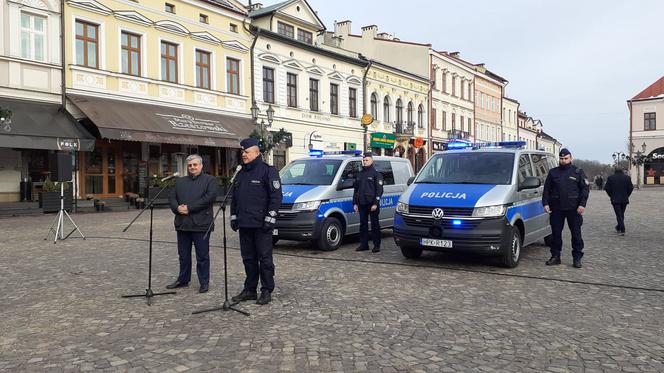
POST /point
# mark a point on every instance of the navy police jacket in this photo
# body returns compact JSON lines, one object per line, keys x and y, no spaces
{"x":256,"y":194}
{"x":368,"y":187}
{"x":198,"y":193}
{"x":565,"y":188}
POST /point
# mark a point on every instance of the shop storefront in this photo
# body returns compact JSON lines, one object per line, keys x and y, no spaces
{"x":34,"y":131}
{"x":138,"y":141}
{"x":653,"y":169}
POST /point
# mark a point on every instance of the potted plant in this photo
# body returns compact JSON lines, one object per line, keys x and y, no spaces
{"x":50,"y":196}
{"x":154,"y":186}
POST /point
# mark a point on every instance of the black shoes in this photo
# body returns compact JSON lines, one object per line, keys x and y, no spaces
{"x":203,"y":288}
{"x":244,"y":295}
{"x":553,"y":261}
{"x":577,"y":263}
{"x":265,"y":298}
{"x":360,"y":248}
{"x":177,"y":284}
{"x":375,"y":250}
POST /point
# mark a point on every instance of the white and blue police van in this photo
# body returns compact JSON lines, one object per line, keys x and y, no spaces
{"x":478,"y":198}
{"x":317,"y":203}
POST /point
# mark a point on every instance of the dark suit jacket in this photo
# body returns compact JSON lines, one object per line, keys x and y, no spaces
{"x":619,"y":187}
{"x":198,"y":193}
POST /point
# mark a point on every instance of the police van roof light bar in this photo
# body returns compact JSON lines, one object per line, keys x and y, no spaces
{"x":320,"y":153}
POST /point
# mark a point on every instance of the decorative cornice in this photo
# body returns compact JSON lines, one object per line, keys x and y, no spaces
{"x":172,"y":27}
{"x":236,"y":45}
{"x":133,"y":16}
{"x":90,"y":5}
{"x":206,"y":37}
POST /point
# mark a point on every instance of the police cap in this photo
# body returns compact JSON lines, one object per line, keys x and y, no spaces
{"x":564,"y":152}
{"x":248,"y":143}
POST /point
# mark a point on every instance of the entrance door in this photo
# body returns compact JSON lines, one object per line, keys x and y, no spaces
{"x":100,"y":170}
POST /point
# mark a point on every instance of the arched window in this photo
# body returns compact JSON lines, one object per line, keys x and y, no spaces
{"x":420,"y":116}
{"x":399,"y":111}
{"x":374,"y":105}
{"x":386,"y":109}
{"x":410,"y":113}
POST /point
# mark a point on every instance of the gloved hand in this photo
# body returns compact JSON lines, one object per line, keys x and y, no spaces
{"x":267,"y":227}
{"x":234,"y":225}
{"x":270,"y":221}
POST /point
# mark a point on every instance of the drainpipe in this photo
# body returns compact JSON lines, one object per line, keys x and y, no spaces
{"x":62,"y":55}
{"x":432,"y":82}
{"x":364,"y":103}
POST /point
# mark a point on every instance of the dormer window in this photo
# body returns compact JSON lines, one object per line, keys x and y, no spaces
{"x":203,"y":18}
{"x":285,"y":30}
{"x":233,"y":27}
{"x":170,"y":8}
{"x":305,"y":36}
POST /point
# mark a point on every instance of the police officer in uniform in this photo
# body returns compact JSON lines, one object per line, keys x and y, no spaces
{"x":565,"y":195}
{"x":256,"y":200}
{"x":368,"y":189}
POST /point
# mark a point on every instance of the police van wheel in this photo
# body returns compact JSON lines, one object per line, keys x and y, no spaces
{"x":547,"y":240}
{"x":512,"y":251}
{"x":411,"y":252}
{"x":331,"y":235}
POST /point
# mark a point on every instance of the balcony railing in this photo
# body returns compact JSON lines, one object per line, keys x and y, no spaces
{"x":404,"y":128}
{"x":458,"y":134}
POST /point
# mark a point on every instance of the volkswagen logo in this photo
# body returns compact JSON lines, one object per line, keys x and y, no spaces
{"x":437,"y":213}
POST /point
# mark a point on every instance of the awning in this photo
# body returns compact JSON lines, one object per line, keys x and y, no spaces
{"x":37,"y":125}
{"x":131,"y":121}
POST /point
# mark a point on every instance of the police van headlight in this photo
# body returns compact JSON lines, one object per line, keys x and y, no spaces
{"x":402,"y":207}
{"x":489,"y":211}
{"x":306,"y":206}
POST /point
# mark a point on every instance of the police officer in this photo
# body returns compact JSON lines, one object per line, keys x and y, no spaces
{"x":619,"y":187}
{"x":256,"y":200}
{"x":368,"y":189}
{"x":565,"y":195}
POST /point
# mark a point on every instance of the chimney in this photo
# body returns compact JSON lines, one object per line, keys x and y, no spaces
{"x":255,"y":6}
{"x":342,"y":28}
{"x":369,"y":32}
{"x":455,"y":54}
{"x":385,"y":36}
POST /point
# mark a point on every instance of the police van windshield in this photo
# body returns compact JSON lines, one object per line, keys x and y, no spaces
{"x":310,"y":172}
{"x":468,"y":168}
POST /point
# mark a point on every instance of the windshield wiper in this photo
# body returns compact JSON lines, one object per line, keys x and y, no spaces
{"x":298,"y":184}
{"x":427,"y":182}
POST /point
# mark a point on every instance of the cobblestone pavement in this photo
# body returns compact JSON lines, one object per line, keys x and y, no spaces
{"x":339,"y":311}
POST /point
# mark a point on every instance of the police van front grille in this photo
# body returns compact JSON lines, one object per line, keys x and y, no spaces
{"x":286,"y":206}
{"x":284,"y":217}
{"x":445,"y":223}
{"x":449,"y":211}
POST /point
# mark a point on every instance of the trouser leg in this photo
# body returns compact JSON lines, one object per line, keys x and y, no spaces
{"x":575,"y":221}
{"x":375,"y":227}
{"x":249,"y":258}
{"x":263,"y":242}
{"x":202,"y":246}
{"x":364,"y":226}
{"x":184,"y":254}
{"x":557,"y":220}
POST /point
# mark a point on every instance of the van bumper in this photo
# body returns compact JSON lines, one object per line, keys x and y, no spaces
{"x":484,"y":236}
{"x":298,"y":226}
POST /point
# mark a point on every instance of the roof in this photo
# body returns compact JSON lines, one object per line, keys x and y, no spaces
{"x":547,"y":136}
{"x":654,"y":90}
{"x":268,"y":10}
{"x":228,"y":5}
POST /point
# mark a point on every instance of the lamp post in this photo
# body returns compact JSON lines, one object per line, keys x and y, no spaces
{"x":618,"y":157}
{"x":263,"y":128}
{"x":638,"y":159}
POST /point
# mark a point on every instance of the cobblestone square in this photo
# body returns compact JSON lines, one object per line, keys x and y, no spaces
{"x":62,"y":309}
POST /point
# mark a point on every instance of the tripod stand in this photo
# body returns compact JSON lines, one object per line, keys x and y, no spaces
{"x":227,"y":304}
{"x":59,"y":223}
{"x":148,"y":292}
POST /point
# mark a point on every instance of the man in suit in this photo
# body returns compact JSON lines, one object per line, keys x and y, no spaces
{"x":191,"y":202}
{"x":619,"y":187}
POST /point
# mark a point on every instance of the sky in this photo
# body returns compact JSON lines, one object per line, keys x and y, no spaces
{"x":571,"y":64}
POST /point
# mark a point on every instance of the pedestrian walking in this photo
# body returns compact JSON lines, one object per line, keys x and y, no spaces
{"x":619,"y":187}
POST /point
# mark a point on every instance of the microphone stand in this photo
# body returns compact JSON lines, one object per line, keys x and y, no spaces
{"x":148,"y":292}
{"x":227,"y":304}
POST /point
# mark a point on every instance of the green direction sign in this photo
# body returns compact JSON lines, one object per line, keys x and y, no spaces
{"x":383,"y":140}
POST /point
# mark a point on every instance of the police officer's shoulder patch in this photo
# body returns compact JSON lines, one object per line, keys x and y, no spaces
{"x":276,"y":184}
{"x":380,"y":182}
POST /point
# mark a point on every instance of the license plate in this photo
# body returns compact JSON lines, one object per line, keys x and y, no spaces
{"x":275,"y":232}
{"x":437,"y":243}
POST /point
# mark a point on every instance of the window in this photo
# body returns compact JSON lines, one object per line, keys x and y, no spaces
{"x":420,"y":116}
{"x":469,"y":126}
{"x":268,"y":85}
{"x":386,"y":109}
{"x":313,"y":94}
{"x":87,"y":40}
{"x":351,"y":170}
{"x":541,"y":164}
{"x":444,"y":82}
{"x":444,"y":121}
{"x":169,"y":62}
{"x":33,"y":37}
{"x":434,"y":123}
{"x":305,"y":36}
{"x":374,"y":105}
{"x":649,"y":122}
{"x":334,"y":98}
{"x":203,"y":69}
{"x":352,"y":102}
{"x":399,"y":111}
{"x":170,"y":8}
{"x":285,"y":30}
{"x":385,"y":168}
{"x":131,"y":54}
{"x":461,"y":122}
{"x":409,"y":113}
{"x":203,"y":18}
{"x":291,"y":85}
{"x":233,"y":27}
{"x":453,"y":85}
{"x":453,"y":121}
{"x":525,"y":168}
{"x":233,"y":75}
{"x":463,"y":86}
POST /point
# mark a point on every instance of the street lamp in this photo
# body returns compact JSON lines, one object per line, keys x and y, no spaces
{"x":270,"y":115}
{"x":6,"y":119}
{"x":254,"y":112}
{"x":638,"y":159}
{"x":618,"y":157}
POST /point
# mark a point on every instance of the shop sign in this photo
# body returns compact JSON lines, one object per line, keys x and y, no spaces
{"x":367,"y":119}
{"x":187,"y":122}
{"x":418,"y":142}
{"x":656,"y":156}
{"x":437,"y":145}
{"x":383,"y":140}
{"x":350,"y":146}
{"x":68,"y":144}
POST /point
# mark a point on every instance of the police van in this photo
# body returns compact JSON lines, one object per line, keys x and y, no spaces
{"x":480,"y":198}
{"x":317,"y":203}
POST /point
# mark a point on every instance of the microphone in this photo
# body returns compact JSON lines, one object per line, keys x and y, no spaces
{"x":237,"y":171}
{"x":170,"y":177}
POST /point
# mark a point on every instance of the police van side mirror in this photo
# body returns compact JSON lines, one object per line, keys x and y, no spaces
{"x":346,"y":184}
{"x":410,"y":180}
{"x":531,"y":182}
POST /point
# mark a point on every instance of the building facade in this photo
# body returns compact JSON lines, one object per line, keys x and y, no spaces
{"x":488,"y":90}
{"x":510,"y":126}
{"x":316,"y":93}
{"x":646,"y":135}
{"x":32,"y":125}
{"x":156,"y":81}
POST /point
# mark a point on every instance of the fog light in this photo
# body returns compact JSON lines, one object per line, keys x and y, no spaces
{"x":456,"y":222}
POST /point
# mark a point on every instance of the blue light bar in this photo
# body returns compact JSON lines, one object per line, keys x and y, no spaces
{"x":316,"y":153}
{"x":459,"y":145}
{"x":320,"y":153}
{"x":502,"y":144}
{"x":456,"y":222}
